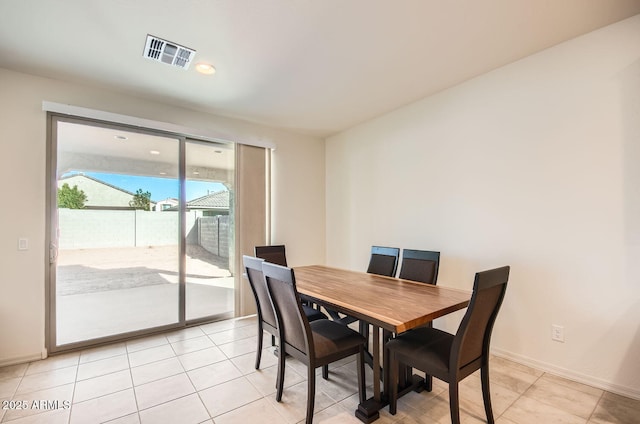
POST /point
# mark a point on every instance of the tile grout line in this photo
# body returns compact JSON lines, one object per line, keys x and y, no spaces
{"x":133,"y":389}
{"x":197,"y":392}
{"x":523,"y":393}
{"x":15,"y":393}
{"x":595,"y":408}
{"x":73,"y":392}
{"x":551,"y":405}
{"x":12,"y":396}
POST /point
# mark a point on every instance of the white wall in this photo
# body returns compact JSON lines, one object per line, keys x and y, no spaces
{"x":22,"y":167}
{"x":535,"y":165}
{"x":298,"y":202}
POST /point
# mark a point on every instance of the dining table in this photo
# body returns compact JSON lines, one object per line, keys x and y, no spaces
{"x":388,"y":304}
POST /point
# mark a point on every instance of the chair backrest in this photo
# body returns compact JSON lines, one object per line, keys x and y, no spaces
{"x":420,"y":265}
{"x":384,"y":261}
{"x":253,"y":267}
{"x":293,"y":325}
{"x":274,"y":254}
{"x":471,"y":341}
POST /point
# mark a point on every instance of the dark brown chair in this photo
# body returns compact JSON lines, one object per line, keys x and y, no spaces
{"x":450,"y":357}
{"x":266,"y":316}
{"x":316,"y":343}
{"x":420,"y":265}
{"x":383,"y":261}
{"x":275,"y":254}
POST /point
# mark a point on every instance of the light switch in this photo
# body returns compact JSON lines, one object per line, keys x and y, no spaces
{"x":23,"y":244}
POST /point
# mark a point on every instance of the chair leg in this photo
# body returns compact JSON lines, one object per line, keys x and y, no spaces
{"x":362,"y":386}
{"x":454,"y":401}
{"x":486,"y":393}
{"x":311,"y":393}
{"x":325,"y":372}
{"x":393,"y":382}
{"x":259,"y":350}
{"x":281,"y":367}
{"x":273,"y":340}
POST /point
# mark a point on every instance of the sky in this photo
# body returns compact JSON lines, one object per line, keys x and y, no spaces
{"x":160,"y":188}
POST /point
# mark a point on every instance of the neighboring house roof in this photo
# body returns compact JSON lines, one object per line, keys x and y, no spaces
{"x":168,"y":201}
{"x":217,"y":200}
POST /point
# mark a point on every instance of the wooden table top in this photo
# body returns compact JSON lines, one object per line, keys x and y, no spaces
{"x":391,"y":303}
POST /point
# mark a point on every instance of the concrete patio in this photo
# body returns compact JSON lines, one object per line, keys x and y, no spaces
{"x":108,"y":291}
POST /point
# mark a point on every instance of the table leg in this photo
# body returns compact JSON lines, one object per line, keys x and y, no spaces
{"x":368,"y":411}
{"x":386,"y":336}
{"x":377,"y":395}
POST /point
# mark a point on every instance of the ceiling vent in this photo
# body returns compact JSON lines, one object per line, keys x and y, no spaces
{"x":167,"y":52}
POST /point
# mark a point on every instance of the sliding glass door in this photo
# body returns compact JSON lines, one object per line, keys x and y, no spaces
{"x":141,"y":230}
{"x":209,"y":237}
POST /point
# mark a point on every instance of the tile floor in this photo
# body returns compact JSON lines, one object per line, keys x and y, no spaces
{"x":205,"y":374}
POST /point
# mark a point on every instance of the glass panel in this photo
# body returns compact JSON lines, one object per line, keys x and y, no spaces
{"x":209,"y":191}
{"x":118,"y":232}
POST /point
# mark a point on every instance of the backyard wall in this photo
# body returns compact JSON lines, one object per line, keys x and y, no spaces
{"x":213,"y":232}
{"x":91,"y":229}
{"x":86,"y":229}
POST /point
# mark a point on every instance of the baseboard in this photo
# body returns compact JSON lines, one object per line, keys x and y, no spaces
{"x":23,"y":359}
{"x":569,"y":374}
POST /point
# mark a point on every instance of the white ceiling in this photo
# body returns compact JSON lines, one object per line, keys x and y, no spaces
{"x":317,"y":67}
{"x":88,"y":148}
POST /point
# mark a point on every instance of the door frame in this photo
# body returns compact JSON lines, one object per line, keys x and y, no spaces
{"x":51,"y":234}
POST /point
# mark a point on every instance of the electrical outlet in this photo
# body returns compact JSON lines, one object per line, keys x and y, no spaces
{"x":557,"y":333}
{"x":23,"y":244}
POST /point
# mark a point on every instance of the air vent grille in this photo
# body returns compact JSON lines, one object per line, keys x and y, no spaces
{"x":168,"y":52}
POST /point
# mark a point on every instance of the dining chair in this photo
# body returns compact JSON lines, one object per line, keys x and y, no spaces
{"x":266,"y":315}
{"x":420,"y":265}
{"x":453,"y":357}
{"x":383,"y":261}
{"x":275,"y":254}
{"x":316,"y":344}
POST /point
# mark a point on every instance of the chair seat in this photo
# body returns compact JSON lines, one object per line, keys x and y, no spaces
{"x":449,"y":357}
{"x":313,"y":314}
{"x":424,"y":346}
{"x":316,"y":343}
{"x":330,"y":337}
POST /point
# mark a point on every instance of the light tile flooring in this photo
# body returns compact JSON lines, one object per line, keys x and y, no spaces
{"x":206,"y":374}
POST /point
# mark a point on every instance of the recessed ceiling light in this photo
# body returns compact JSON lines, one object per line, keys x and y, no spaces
{"x":154,"y":152}
{"x":120,"y":137}
{"x":163,"y":173}
{"x":196,"y":173}
{"x":205,"y":68}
